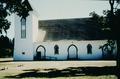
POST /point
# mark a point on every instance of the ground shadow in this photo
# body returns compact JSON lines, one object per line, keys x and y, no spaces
{"x":68,"y":72}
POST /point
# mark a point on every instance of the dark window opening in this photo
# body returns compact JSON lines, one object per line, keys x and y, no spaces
{"x":23,"y":53}
{"x":56,"y":49}
{"x":89,"y":49}
{"x":23,"y":28}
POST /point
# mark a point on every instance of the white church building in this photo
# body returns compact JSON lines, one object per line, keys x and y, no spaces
{"x":61,"y":39}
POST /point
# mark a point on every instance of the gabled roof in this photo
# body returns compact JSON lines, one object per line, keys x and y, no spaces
{"x":80,"y":28}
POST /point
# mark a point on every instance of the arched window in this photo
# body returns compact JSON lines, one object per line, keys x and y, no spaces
{"x":89,"y":49}
{"x":23,"y":28}
{"x":56,"y":49}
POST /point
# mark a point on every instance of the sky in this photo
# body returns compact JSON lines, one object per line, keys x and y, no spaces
{"x":62,"y":9}
{"x":52,"y":9}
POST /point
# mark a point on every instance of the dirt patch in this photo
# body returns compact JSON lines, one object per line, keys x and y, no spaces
{"x":58,"y":69}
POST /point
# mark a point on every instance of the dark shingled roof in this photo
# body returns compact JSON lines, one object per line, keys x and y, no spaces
{"x":76,"y":28}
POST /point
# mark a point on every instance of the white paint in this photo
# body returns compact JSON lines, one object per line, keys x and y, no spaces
{"x":31,"y":42}
{"x":41,"y":35}
{"x":81,"y":45}
{"x":26,"y":44}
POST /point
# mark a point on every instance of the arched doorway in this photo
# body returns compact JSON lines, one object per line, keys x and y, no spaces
{"x":72,"y":52}
{"x":40,"y":53}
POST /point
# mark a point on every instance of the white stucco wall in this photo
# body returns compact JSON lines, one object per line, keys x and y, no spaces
{"x":63,"y":46}
{"x":25,"y":44}
{"x":41,"y":36}
{"x":30,"y":43}
{"x":34,"y":27}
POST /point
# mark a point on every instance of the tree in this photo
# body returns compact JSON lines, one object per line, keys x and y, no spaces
{"x":108,"y":48}
{"x":114,"y":19}
{"x":4,"y":24}
{"x":6,"y":46}
{"x":7,"y":7}
{"x":111,"y":21}
{"x":110,"y":24}
{"x":102,"y":23}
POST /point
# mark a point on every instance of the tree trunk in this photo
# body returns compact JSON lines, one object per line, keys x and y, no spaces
{"x":118,"y":59}
{"x":112,"y":6}
{"x":118,"y":53}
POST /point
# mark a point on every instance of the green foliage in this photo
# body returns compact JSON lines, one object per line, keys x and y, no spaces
{"x":112,"y":21}
{"x":7,"y":7}
{"x":108,"y":23}
{"x":97,"y":19}
{"x":4,"y":24}
{"x":101,"y":22}
{"x":108,"y":48}
{"x":6,"y":46}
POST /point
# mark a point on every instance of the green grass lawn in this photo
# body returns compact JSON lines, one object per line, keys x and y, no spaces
{"x":56,"y":70}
